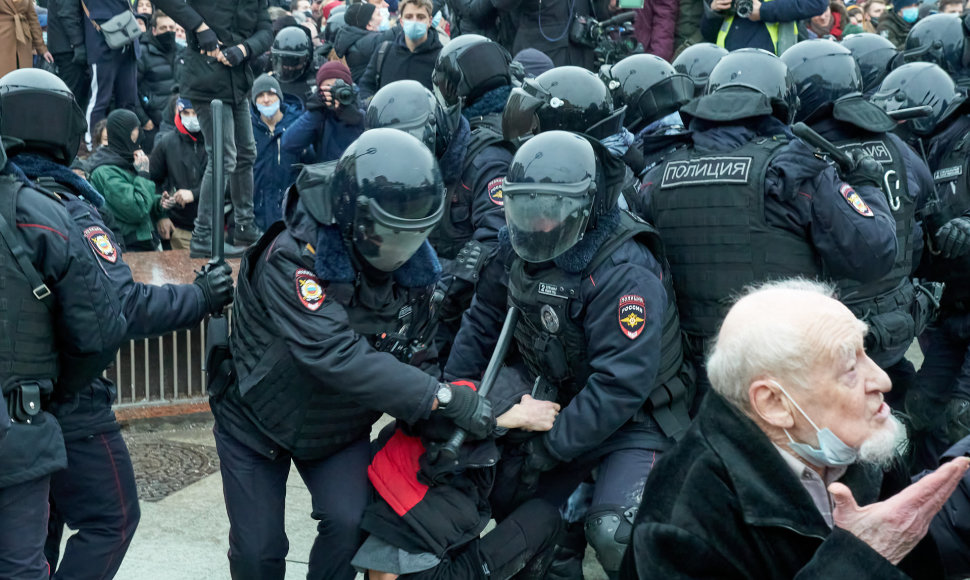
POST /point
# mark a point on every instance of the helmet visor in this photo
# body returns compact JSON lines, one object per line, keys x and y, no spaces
{"x":289,"y":66}
{"x":546,"y":219}
{"x":387,"y":241}
{"x":519,"y":118}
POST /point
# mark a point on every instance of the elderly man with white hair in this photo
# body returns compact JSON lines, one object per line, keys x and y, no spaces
{"x":794,"y":437}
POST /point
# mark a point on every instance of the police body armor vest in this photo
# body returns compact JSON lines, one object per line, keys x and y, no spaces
{"x":886,"y":304}
{"x":293,"y":409}
{"x":456,"y":228}
{"x":550,"y":336}
{"x":710,"y":210}
{"x":952,"y":199}
{"x":27,"y":344}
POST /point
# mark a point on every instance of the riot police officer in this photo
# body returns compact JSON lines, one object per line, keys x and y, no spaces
{"x":771,"y":210}
{"x":599,"y":331}
{"x":942,"y":40}
{"x":96,"y":494}
{"x":333,"y":315}
{"x":944,"y":136}
{"x":292,"y":58}
{"x":897,"y":308}
{"x":697,"y":61}
{"x":875,"y":55}
{"x":64,"y":325}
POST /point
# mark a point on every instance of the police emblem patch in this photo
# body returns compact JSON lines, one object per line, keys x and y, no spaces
{"x":309,"y":290}
{"x":633,"y":315}
{"x":855,"y":200}
{"x":550,"y":321}
{"x":101,"y":244}
{"x":495,"y":191}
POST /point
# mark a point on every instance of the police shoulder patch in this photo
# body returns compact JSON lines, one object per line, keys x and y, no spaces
{"x":855,"y":200}
{"x":101,"y":244}
{"x":309,"y":290}
{"x":633,"y":315}
{"x":495,"y":194}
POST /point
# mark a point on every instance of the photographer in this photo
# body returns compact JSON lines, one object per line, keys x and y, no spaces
{"x":552,"y":26}
{"x":769,"y":25}
{"x":332,"y":121}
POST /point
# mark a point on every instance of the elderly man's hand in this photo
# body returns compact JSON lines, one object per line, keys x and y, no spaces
{"x":530,"y":414}
{"x":893,"y":527}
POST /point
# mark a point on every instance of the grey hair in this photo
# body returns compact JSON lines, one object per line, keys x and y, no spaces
{"x":778,"y":350}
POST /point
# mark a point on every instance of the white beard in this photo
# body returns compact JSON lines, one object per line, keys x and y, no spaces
{"x":886,"y":445}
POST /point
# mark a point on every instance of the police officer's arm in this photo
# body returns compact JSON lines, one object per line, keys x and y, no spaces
{"x":486,"y":175}
{"x":90,"y":325}
{"x":623,"y":368}
{"x":482,"y":322}
{"x":323,"y":343}
{"x":921,"y":186}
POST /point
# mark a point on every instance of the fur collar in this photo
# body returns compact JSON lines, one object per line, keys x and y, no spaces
{"x":453,"y":160}
{"x":35,"y":166}
{"x":491,"y":102}
{"x":333,"y":262}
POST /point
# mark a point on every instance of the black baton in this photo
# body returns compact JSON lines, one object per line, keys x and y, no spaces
{"x":217,"y":331}
{"x":808,"y":135}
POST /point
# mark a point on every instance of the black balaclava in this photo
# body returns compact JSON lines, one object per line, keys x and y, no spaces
{"x":121,"y":123}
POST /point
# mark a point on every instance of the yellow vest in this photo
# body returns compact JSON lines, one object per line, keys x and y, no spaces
{"x":783,"y":34}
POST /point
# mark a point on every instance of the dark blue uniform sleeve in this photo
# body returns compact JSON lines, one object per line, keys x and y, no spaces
{"x":323,"y":343}
{"x":485,"y":176}
{"x":921,"y":185}
{"x":90,"y":325}
{"x":623,"y":368}
{"x":150,"y":310}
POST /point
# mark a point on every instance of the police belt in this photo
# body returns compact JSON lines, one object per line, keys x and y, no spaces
{"x":24,"y":401}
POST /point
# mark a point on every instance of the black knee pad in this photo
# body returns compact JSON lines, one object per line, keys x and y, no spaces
{"x":608,"y":530}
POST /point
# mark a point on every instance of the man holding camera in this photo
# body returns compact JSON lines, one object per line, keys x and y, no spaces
{"x":332,"y":121}
{"x":769,"y":25}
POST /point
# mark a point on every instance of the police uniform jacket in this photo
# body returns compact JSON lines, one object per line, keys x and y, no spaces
{"x":88,"y":325}
{"x":725,"y":504}
{"x":623,"y":361}
{"x":309,"y":378}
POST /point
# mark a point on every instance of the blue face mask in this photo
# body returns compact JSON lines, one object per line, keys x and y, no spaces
{"x":831,"y":450}
{"x":414,"y":30}
{"x":268,"y":110}
{"x":910,"y":14}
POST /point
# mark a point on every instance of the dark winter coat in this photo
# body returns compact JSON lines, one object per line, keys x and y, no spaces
{"x":893,"y":27}
{"x":235,"y":22}
{"x":65,"y":26}
{"x":724,"y":504}
{"x":319,"y":134}
{"x":654,"y":26}
{"x":550,"y":34}
{"x":402,"y":64}
{"x":357,"y":46}
{"x":158,"y":72}
{"x":688,"y":31}
{"x":271,"y":176}
{"x":178,"y":162}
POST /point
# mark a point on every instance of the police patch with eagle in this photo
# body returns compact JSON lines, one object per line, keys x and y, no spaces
{"x":101,"y":244}
{"x":633,"y":315}
{"x":309,"y":290}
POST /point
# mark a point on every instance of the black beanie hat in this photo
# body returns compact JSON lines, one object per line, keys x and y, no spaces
{"x":359,"y":15}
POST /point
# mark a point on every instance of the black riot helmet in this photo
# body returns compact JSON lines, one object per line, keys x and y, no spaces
{"x":824,"y":71}
{"x":41,"y":112}
{"x":920,"y":83}
{"x":408,"y":106}
{"x":468,"y":67}
{"x":747,"y":83}
{"x":874,"y":55}
{"x":940,"y":39}
{"x":334,"y":23}
{"x":649,"y":87}
{"x":565,"y":98}
{"x":549,"y":192}
{"x":386,"y":195}
{"x":697,"y":61}
{"x":291,"y":53}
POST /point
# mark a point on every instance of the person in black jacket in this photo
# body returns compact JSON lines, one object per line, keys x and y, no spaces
{"x":411,"y":55}
{"x":158,"y":70}
{"x":65,"y":325}
{"x":222,"y":36}
{"x":545,"y":26}
{"x":65,"y":39}
{"x":176,"y":166}
{"x":358,"y":40}
{"x":333,"y":316}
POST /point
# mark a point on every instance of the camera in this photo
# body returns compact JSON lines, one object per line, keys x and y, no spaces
{"x":343,"y":93}
{"x":743,"y":8}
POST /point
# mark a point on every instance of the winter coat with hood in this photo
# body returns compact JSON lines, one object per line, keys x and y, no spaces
{"x":20,"y":34}
{"x":178,"y":162}
{"x":402,"y":64}
{"x":271,"y":176}
{"x":357,"y":46}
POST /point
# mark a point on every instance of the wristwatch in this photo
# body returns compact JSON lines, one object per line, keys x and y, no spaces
{"x":443,"y":395}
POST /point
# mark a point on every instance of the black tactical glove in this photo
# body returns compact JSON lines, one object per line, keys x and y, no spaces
{"x":865,"y":171}
{"x":207,"y":40}
{"x":469,"y":411}
{"x":80,"y":55}
{"x":217,"y":287}
{"x":234,"y":55}
{"x":953,"y":239}
{"x":540,"y":459}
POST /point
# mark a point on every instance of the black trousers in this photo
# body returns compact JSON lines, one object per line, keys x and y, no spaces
{"x":23,"y":526}
{"x":77,"y":77}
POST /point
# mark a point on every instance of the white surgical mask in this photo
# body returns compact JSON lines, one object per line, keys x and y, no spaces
{"x":191,"y":124}
{"x":831,"y":450}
